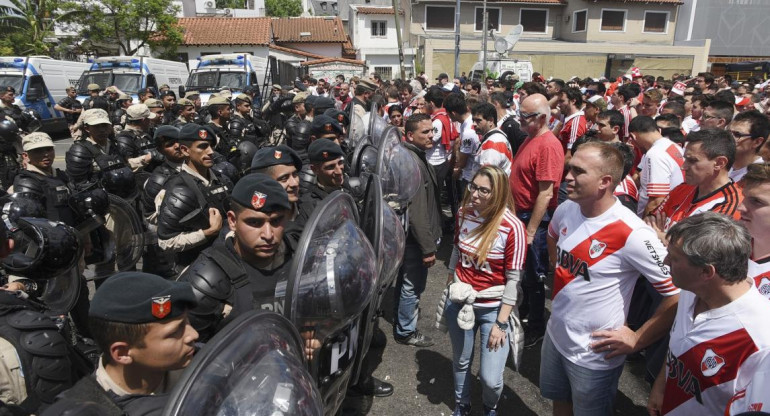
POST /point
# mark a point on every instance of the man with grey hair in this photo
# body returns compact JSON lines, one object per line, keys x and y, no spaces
{"x":719,"y":351}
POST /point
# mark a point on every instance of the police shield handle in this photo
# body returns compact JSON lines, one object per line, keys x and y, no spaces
{"x":311,"y":343}
{"x":215,"y":223}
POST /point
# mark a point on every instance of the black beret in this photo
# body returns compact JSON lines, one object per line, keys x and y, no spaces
{"x":140,"y":298}
{"x":324,"y":150}
{"x":260,"y":192}
{"x":278,"y":155}
{"x":168,"y":133}
{"x":323,"y":103}
{"x":323,"y":124}
{"x":300,"y":86}
{"x":311,"y":99}
{"x":339,"y":115}
{"x":192,"y":132}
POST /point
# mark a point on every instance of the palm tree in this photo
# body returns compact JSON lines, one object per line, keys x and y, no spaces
{"x":32,"y":22}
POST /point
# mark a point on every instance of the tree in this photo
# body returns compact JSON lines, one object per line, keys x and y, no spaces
{"x":230,"y":4}
{"x":27,"y":26}
{"x":130,"y":24}
{"x":283,"y":8}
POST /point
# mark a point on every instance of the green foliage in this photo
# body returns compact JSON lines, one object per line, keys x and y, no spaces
{"x":27,"y":26}
{"x":129,"y":25}
{"x":283,"y":8}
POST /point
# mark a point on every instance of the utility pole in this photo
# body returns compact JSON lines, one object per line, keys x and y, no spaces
{"x":457,"y":39}
{"x":484,"y":41}
{"x":398,"y":39}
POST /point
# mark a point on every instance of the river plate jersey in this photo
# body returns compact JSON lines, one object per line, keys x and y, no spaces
{"x":684,"y":202}
{"x":714,"y":356}
{"x":598,"y":262}
{"x":661,"y":171}
{"x":759,"y":272}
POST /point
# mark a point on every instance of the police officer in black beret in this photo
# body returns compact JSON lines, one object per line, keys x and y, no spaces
{"x":325,"y":127}
{"x":283,"y":165}
{"x":327,"y":163}
{"x":194,"y":200}
{"x":140,"y":322}
{"x":240,"y":272}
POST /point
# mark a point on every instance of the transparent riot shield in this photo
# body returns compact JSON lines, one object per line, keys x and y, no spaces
{"x":123,"y":242}
{"x":356,"y":131}
{"x":398,"y":170}
{"x":364,"y":160}
{"x":377,"y":125}
{"x":331,"y":281}
{"x":253,"y":366}
{"x":386,"y":234}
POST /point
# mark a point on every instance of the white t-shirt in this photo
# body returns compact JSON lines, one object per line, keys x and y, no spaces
{"x":598,"y":262}
{"x":661,"y":171}
{"x":469,"y":145}
{"x":759,"y":272}
{"x":438,"y":154}
{"x":737,"y":175}
{"x":716,"y":354}
{"x":690,"y":124}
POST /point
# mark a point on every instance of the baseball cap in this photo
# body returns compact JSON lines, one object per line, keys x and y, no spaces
{"x":95,"y":116}
{"x":36,"y":140}
{"x":139,"y":112}
{"x":94,"y":87}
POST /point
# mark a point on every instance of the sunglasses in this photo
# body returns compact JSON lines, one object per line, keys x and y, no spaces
{"x":527,"y":116}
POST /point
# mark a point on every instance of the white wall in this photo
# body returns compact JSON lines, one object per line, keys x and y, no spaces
{"x":362,"y":37}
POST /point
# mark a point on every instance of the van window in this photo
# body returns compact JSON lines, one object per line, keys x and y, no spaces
{"x":476,"y":75}
{"x":151,"y":82}
{"x":253,"y":79}
{"x":14,"y":80}
{"x":36,"y":81}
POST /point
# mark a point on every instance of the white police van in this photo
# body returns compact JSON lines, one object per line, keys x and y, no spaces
{"x":131,"y":74}
{"x":211,"y":73}
{"x":40,"y":82}
{"x":501,"y":68}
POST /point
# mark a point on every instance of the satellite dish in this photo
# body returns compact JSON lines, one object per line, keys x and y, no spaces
{"x":514,"y":36}
{"x":501,"y":45}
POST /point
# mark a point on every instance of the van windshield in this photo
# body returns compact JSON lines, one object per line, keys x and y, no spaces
{"x":208,"y":81}
{"x":15,"y":81}
{"x":128,"y":83}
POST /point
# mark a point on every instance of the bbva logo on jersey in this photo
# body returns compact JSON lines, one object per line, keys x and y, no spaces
{"x":596,"y":249}
{"x":711,"y":363}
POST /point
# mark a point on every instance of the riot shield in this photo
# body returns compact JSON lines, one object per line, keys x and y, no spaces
{"x":356,"y":131}
{"x":377,"y":125}
{"x":398,"y":171}
{"x":364,"y":160}
{"x":253,"y":366}
{"x":331,"y":281}
{"x":123,"y":243}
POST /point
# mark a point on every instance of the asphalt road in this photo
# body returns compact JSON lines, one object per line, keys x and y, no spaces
{"x":423,"y":376}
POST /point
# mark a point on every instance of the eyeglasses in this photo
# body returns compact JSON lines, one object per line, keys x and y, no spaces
{"x":705,"y":116}
{"x":738,"y":135}
{"x":481,"y":190}
{"x":477,"y":120}
{"x":526,"y":116}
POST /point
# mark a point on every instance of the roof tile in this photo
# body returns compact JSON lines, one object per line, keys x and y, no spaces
{"x":378,"y":10}
{"x":327,"y":60}
{"x":319,"y":30}
{"x":199,"y":31}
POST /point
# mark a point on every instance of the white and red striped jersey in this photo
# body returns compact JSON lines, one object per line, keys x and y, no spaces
{"x":709,"y":352}
{"x":759,"y":272}
{"x":508,"y":252}
{"x":752,"y":388}
{"x":574,"y":127}
{"x":661,"y":171}
{"x":627,"y":187}
{"x":494,"y":150}
{"x":626,"y":112}
{"x":598,"y":262}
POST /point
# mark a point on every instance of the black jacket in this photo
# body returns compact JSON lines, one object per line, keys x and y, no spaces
{"x":425,"y":207}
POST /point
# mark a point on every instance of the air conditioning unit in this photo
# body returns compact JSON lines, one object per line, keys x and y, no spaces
{"x":210,"y":4}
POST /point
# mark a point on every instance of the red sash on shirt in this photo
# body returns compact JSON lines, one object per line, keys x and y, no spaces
{"x":446,"y":127}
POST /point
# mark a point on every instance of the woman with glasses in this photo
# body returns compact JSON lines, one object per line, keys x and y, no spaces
{"x":486,"y":265}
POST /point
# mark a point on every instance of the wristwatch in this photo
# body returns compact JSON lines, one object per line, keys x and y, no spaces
{"x":503,"y":326}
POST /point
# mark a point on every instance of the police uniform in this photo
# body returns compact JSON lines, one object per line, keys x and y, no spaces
{"x":9,"y":155}
{"x":181,"y":121}
{"x":243,"y":127}
{"x":87,"y":103}
{"x":132,"y":143}
{"x":70,"y":103}
{"x":130,"y":298}
{"x":225,"y":284}
{"x":186,"y":197}
{"x":11,"y":111}
{"x":320,"y":151}
{"x":278,"y":155}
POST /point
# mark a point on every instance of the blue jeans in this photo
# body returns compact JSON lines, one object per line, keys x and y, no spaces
{"x":492,"y":362}
{"x":591,"y":392}
{"x":409,"y":286}
{"x":536,"y":269}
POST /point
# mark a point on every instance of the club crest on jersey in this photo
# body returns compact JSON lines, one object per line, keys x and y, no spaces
{"x":161,"y":306}
{"x":258,"y":200}
{"x":754,"y":407}
{"x":277,"y":154}
{"x":711,"y":363}
{"x":764,"y":286}
{"x":596,"y":249}
{"x":564,"y":231}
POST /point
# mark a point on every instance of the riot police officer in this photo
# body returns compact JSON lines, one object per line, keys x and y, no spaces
{"x":327,"y":163}
{"x":37,"y":361}
{"x":241,"y":125}
{"x":187,"y":113}
{"x":283,"y":165}
{"x":118,"y":116}
{"x":9,"y":110}
{"x":193,"y":201}
{"x":134,"y":143}
{"x":93,"y":92}
{"x":9,"y":156}
{"x":140,"y":323}
{"x":325,"y":127}
{"x":241,"y":271}
{"x":168,"y":98}
{"x":70,"y":106}
{"x":220,"y":112}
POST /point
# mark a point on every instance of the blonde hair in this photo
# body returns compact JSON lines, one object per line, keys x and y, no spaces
{"x":500,"y":199}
